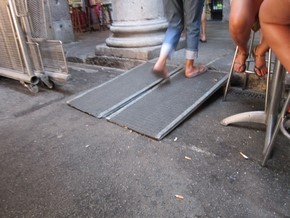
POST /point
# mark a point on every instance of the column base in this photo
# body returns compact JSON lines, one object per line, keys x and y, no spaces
{"x":126,"y":58}
{"x":136,"y":34}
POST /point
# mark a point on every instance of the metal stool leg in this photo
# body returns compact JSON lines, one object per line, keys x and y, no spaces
{"x":247,"y":65}
{"x":268,"y":76}
{"x":230,"y":74}
{"x":249,"y":59}
{"x":247,"y":71}
{"x":284,"y":120}
{"x":280,"y":125}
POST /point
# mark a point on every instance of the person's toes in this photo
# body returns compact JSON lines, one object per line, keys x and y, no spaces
{"x":239,"y":63}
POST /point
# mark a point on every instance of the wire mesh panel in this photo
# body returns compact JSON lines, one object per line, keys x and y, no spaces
{"x":51,"y":51}
{"x":20,"y":8}
{"x":10,"y":56}
{"x":35,"y":55}
{"x":53,"y":57}
{"x":37,"y":18}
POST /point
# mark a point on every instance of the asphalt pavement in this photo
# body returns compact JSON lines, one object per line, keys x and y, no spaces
{"x":57,"y":161}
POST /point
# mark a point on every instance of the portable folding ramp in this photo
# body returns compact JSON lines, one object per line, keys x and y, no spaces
{"x":164,"y":107}
{"x":103,"y":100}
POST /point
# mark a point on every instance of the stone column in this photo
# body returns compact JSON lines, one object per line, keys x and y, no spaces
{"x":137,"y":23}
{"x":137,"y":33}
{"x":60,"y":22}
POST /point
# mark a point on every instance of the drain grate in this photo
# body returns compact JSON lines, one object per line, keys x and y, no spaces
{"x":247,"y":93}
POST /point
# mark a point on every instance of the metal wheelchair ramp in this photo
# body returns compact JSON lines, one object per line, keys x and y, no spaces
{"x":103,"y":100}
{"x":165,"y":106}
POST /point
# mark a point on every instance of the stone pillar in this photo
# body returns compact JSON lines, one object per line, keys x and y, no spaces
{"x":137,"y":33}
{"x":61,"y":25}
{"x":137,"y":23}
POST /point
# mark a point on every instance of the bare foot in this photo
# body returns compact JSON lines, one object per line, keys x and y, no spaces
{"x":161,"y":73}
{"x":160,"y":70}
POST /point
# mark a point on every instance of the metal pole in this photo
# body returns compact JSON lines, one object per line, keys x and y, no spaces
{"x":275,"y":98}
{"x":12,"y":74}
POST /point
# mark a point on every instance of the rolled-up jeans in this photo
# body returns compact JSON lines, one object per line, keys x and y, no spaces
{"x":182,"y":14}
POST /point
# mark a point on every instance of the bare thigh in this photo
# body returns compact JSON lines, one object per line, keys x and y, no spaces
{"x":275,"y":23}
{"x":276,"y":12}
{"x":243,"y":13}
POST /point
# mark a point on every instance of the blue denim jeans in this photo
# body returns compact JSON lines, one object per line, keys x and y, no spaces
{"x":182,"y":14}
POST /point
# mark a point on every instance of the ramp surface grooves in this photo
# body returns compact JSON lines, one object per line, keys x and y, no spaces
{"x":165,"y":106}
{"x":103,"y":100}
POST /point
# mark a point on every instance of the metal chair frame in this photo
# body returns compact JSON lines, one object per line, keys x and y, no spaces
{"x":249,"y":60}
{"x":280,"y":125}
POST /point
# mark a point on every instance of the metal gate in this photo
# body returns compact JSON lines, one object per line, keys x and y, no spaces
{"x":26,"y":53}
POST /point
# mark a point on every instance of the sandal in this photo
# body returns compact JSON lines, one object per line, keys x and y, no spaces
{"x":200,"y":69}
{"x":262,"y":70}
{"x":241,"y":67}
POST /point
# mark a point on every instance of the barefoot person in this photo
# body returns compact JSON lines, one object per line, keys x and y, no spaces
{"x":181,"y":14}
{"x":243,"y":15}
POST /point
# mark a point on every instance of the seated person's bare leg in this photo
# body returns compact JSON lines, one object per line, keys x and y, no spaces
{"x":242,"y":16}
{"x":275,"y":25}
{"x":259,"y":53}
